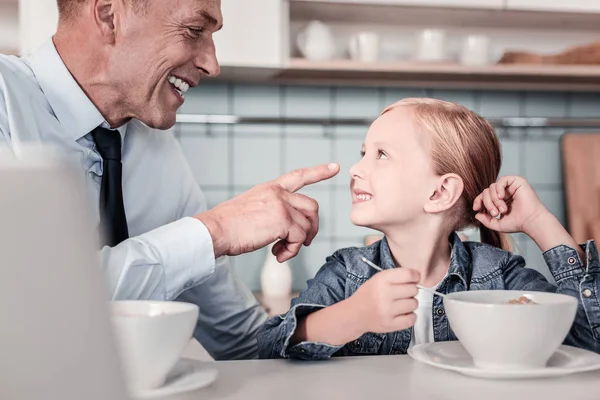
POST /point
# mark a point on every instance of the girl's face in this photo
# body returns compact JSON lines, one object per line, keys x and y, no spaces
{"x":394,"y":179}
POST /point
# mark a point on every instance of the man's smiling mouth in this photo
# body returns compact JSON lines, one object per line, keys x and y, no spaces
{"x":180,"y":86}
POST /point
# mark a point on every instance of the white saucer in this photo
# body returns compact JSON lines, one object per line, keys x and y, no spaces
{"x":453,"y":356}
{"x":186,"y":375}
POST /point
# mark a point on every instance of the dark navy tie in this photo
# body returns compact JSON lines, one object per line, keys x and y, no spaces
{"x":113,"y":222}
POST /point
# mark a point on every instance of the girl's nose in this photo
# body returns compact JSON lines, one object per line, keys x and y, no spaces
{"x":356,"y":171}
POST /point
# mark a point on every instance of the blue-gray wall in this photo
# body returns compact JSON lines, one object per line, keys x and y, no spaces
{"x":227,"y":160}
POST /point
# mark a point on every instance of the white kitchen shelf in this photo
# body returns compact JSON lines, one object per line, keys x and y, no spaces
{"x":409,"y":74}
{"x":395,"y":14}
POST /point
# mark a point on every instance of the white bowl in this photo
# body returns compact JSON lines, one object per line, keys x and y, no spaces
{"x":510,"y":336}
{"x":151,"y":336}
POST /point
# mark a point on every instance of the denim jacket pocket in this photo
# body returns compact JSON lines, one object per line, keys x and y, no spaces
{"x":367,"y":344}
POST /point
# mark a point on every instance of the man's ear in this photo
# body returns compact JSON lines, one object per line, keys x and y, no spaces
{"x":104,"y":18}
{"x":445,"y":194}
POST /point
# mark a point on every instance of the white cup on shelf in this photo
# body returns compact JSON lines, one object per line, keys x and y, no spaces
{"x":364,"y":47}
{"x":431,"y":45}
{"x":316,"y":41}
{"x":475,"y":50}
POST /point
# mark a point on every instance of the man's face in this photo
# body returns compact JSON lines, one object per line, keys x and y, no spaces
{"x":160,"y":53}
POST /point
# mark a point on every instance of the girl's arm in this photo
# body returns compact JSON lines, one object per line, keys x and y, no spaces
{"x":384,"y":303}
{"x":547,"y":232}
{"x":325,"y":289}
{"x":576,"y":270}
{"x":321,"y":320}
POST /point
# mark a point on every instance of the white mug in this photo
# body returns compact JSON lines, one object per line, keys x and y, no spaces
{"x":151,"y":336}
{"x":430,"y":45}
{"x":475,"y":50}
{"x":364,"y":47}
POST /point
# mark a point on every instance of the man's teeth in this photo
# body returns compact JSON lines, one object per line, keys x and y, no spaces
{"x":179,"y":84}
{"x":364,"y":197}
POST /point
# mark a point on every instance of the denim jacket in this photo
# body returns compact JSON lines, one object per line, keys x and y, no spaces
{"x":473,"y":266}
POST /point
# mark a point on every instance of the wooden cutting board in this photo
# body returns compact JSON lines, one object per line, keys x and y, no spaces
{"x":581,"y":175}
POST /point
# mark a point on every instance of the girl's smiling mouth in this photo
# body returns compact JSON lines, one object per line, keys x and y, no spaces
{"x":360,"y":196}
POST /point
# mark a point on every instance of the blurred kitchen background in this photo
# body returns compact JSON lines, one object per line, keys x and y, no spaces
{"x":301,"y":80}
{"x":228,"y":160}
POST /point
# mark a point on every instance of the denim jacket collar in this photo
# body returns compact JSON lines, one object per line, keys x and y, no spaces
{"x":460,"y":260}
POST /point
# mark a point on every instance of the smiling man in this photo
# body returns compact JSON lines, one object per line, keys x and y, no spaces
{"x":102,"y":92}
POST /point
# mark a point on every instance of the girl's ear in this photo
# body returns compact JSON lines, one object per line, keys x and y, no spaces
{"x":446,"y":193}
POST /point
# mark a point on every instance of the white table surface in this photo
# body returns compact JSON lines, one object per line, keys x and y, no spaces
{"x":379,"y":378}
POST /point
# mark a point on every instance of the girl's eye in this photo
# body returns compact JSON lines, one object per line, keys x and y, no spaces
{"x":380,"y":155}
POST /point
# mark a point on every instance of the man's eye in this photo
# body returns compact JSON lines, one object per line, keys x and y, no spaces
{"x":381,"y":155}
{"x":195,"y":32}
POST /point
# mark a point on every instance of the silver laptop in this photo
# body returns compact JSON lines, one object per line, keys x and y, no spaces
{"x":55,"y":336}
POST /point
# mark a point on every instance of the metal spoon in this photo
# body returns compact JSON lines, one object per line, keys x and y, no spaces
{"x":378,"y":268}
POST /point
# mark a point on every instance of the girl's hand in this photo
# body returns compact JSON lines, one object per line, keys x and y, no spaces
{"x":509,"y":205}
{"x":386,"y":302}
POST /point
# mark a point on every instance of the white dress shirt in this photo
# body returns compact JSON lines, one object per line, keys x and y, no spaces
{"x":169,"y":254}
{"x":423,"y":329}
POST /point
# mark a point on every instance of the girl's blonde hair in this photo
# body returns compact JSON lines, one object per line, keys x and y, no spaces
{"x":464,"y":144}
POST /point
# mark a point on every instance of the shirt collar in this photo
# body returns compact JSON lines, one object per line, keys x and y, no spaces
{"x":73,"y":109}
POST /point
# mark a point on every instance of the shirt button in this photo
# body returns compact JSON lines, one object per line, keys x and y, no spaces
{"x":440,"y":311}
{"x":398,"y":353}
{"x":571,"y":260}
{"x":587,"y":293}
{"x":357,"y":342}
{"x":188,"y":285}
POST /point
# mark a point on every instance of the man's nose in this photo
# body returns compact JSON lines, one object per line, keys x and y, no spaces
{"x":207,"y":61}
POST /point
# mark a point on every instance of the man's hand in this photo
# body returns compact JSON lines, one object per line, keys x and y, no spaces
{"x":268,"y":212}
